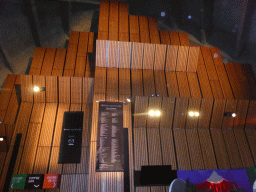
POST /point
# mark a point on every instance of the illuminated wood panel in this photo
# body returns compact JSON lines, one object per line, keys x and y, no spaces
{"x":164,"y":37}
{"x":160,"y":83}
{"x":144,"y":29}
{"x":153,"y":30}
{"x":148,"y":82}
{"x":113,"y":21}
{"x":39,"y":81}
{"x":137,"y":55}
{"x":160,"y":54}
{"x":48,"y":61}
{"x":112,"y":84}
{"x":38,"y":58}
{"x":123,"y":22}
{"x":125,"y":55}
{"x":134,"y":28}
{"x":172,"y":84}
{"x":140,"y":112}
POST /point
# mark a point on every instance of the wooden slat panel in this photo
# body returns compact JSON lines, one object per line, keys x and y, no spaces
{"x":34,"y":71}
{"x":251,"y":115}
{"x":48,"y":61}
{"x":232,"y":149}
{"x":194,"y":147}
{"x":30,"y":147}
{"x":112,"y":84}
{"x":81,"y":182}
{"x":113,"y":21}
{"x":234,"y":81}
{"x":11,"y":112}
{"x":137,"y":55}
{"x":205,"y":116}
{"x":9,"y":129}
{"x":26,"y":88}
{"x":76,"y":90}
{"x":154,"y":104}
{"x":48,"y":125}
{"x":148,"y":82}
{"x":73,"y":37}
{"x":51,"y":89}
{"x":87,"y":122}
{"x":209,"y":63}
{"x":153,"y":30}
{"x":220,"y":149}
{"x":57,"y":72}
{"x":144,"y":29}
{"x":251,"y":79}
{"x":175,"y":39}
{"x":100,"y":80}
{"x":88,"y":84}
{"x":243,"y":147}
{"x":123,"y":22}
{"x":182,"y":58}
{"x":160,"y":54}
{"x":113,"y":181}
{"x":154,"y":147}
{"x":40,"y":82}
{"x":134,"y":28}
{"x":83,"y":44}
{"x":6,"y":91}
{"x":184,"y":41}
{"x":141,"y":108}
{"x":80,"y":66}
{"x":71,"y":57}
{"x":54,"y":166}
{"x":216,"y":56}
{"x":172,"y":84}
{"x":124,"y":82}
{"x":148,"y":57}
{"x":250,"y":134}
{"x":68,"y":72}
{"x":166,"y":118}
{"x":241,"y":112}
{"x":183,"y":84}
{"x":142,"y":189}
{"x":165,"y":38}
{"x":171,"y":57}
{"x":59,"y":59}
{"x":224,"y":82}
{"x":91,"y":42}
{"x":167,"y":146}
{"x":67,"y":183}
{"x":217,"y":113}
{"x":229,"y":121}
{"x":137,"y":83}
{"x":194,"y":85}
{"x":103,"y":16}
{"x":125,"y":54}
{"x":38,"y":58}
{"x":180,"y":112}
{"x":83,"y":167}
{"x":140,"y":148}
{"x":181,"y":149}
{"x":194,"y":105}
{"x":64,"y":89}
{"x":207,"y":149}
{"x":2,"y":156}
{"x":216,"y":89}
{"x":101,"y":53}
{"x":160,"y":83}
{"x":193,"y":59}
{"x":42,"y":160}
{"x":37,"y":113}
{"x":113,"y":54}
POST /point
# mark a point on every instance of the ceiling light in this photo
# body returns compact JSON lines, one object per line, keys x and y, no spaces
{"x":151,"y":112}
{"x":2,"y":138}
{"x":157,"y":113}
{"x":162,"y":13}
{"x":128,"y":100}
{"x":191,"y":113}
{"x":196,"y":114}
{"x":36,"y":89}
{"x":189,"y":17}
{"x":233,"y":114}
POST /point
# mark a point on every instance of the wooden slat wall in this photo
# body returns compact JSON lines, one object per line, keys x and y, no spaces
{"x":148,"y":82}
{"x":58,"y":66}
{"x":37,"y":61}
{"x":153,"y":30}
{"x":112,"y":84}
{"x":103,"y":20}
{"x":160,"y":83}
{"x":134,"y":28}
{"x":144,"y":29}
{"x":172,"y":84}
{"x":48,"y":61}
{"x":123,"y":22}
{"x":251,"y":79}
{"x":113,"y":21}
{"x":124,"y":83}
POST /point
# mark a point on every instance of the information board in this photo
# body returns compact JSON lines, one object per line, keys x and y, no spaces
{"x":110,"y":144}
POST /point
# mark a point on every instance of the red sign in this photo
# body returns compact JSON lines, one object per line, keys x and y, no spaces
{"x":51,"y":181}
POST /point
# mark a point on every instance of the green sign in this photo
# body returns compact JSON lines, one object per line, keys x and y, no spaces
{"x":251,"y":172}
{"x":18,"y":181}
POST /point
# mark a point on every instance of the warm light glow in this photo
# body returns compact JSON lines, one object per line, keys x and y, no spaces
{"x":129,"y":100}
{"x":157,"y":113}
{"x":191,"y":113}
{"x":196,"y":114}
{"x":233,"y":115}
{"x":36,"y":89}
{"x":151,"y":113}
{"x":1,"y":138}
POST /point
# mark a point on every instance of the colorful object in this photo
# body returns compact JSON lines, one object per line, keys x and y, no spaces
{"x":251,"y":172}
{"x":51,"y":181}
{"x":18,"y":181}
{"x":223,"y":186}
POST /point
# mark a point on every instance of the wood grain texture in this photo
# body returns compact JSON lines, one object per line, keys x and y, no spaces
{"x":241,"y":112}
{"x":149,"y":56}
{"x":113,"y":54}
{"x":148,"y":82}
{"x":140,"y":111}
{"x":38,"y":58}
{"x":164,"y":37}
{"x":82,"y":48}
{"x":171,"y":57}
{"x":183,"y":84}
{"x":54,"y":166}
{"x":180,"y":112}
{"x":103,"y":16}
{"x":37,"y":113}
{"x":205,"y":116}
{"x":175,"y":39}
{"x":230,"y":106}
{"x":51,"y":89}
{"x":216,"y":89}
{"x":100,"y":80}
{"x":144,"y":29}
{"x":57,"y":72}
{"x":88,"y":84}
{"x":154,"y":147}
{"x":172,"y":84}
{"x":39,"y":81}
{"x":210,"y":67}
{"x":123,"y":22}
{"x":34,"y":71}
{"x":112,"y":84}
{"x":137,"y":55}
{"x":64,"y":89}
{"x":71,"y":57}
{"x":134,"y":28}
{"x":160,"y":54}
{"x":193,"y":59}
{"x":125,"y":55}
{"x":194,"y":106}
{"x":76,"y":89}
{"x":48,"y":61}
{"x":59,"y":59}
{"x":101,"y":53}
{"x":137,"y":83}
{"x":154,"y":104}
{"x":160,"y":83}
{"x":124,"y":82}
{"x":184,"y":41}
{"x":153,"y":30}
{"x":194,"y":85}
{"x":80,"y":66}
{"x":182,"y":58}
{"x":73,"y":37}
{"x":113,"y":21}
{"x":6,"y":91}
{"x":26,"y":88}
{"x":42,"y":160}
{"x":166,"y":119}
{"x":217,"y":113}
{"x":67,"y":183}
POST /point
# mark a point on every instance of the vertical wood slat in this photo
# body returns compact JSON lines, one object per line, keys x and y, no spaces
{"x":88,"y":84}
{"x":148,"y":57}
{"x":112,"y":84}
{"x":37,"y":113}
{"x":34,"y":71}
{"x":56,"y":72}
{"x":205,"y":113}
{"x":40,"y":82}
{"x":172,"y":84}
{"x":144,"y":29}
{"x":180,"y":112}
{"x":140,"y":111}
{"x":113,"y":54}
{"x":182,"y":58}
{"x":87,"y":122}
{"x":175,"y":39}
{"x":171,"y":57}
{"x":124,"y":82}
{"x":100,"y":80}
{"x":38,"y":58}
{"x":48,"y":62}
{"x":216,"y":89}
{"x":71,"y":57}
{"x":113,"y":21}
{"x":229,"y":107}
{"x":54,"y":166}
{"x":153,"y":30}
{"x":251,"y":115}
{"x":81,"y":182}
{"x":194,"y":105}
{"x":101,"y":53}
{"x":80,"y":66}
{"x":194,"y":85}
{"x":154,"y":147}
{"x":125,"y":54}
{"x":184,"y":41}
{"x":160,"y":83}
{"x":217,"y":113}
{"x":210,"y":67}
{"x":26,"y":88}
{"x":183,"y":84}
{"x":82,"y":48}
{"x":42,"y":160}
{"x":134,"y":28}
{"x":160,"y":54}
{"x":51,"y":89}
{"x":154,"y":104}
{"x":64,"y":89}
{"x":68,"y":72}
{"x":137,"y":55}
{"x":74,"y":37}
{"x":193,"y":59}
{"x":148,"y":82}
{"x":76,"y":89}
{"x":6,"y":91}
{"x":166,"y":119}
{"x":164,"y":37}
{"x":91,"y":42}
{"x":67,"y":183}
{"x":241,"y":112}
{"x":59,"y":59}
{"x":250,"y":135}
{"x":123,"y":22}
{"x":137,"y":82}
{"x":103,"y":20}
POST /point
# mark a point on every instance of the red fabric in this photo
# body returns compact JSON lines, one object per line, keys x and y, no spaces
{"x":223,"y":186}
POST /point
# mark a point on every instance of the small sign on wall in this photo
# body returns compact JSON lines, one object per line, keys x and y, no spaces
{"x":18,"y":181}
{"x":51,"y":181}
{"x":34,"y":181}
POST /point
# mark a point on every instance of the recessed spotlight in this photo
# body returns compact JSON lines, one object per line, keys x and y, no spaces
{"x":151,"y":112}
{"x":233,"y":114}
{"x":162,"y":14}
{"x":36,"y":89}
{"x":157,"y":113}
{"x":196,"y":114}
{"x":189,"y":17}
{"x":191,"y":113}
{"x":128,"y":100}
{"x":2,"y":138}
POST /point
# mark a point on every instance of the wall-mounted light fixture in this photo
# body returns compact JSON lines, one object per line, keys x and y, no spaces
{"x":193,"y":113}
{"x":38,"y":89}
{"x":229,"y":114}
{"x":2,"y":138}
{"x":154,"y":113}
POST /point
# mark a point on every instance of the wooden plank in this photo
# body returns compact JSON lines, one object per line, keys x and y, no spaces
{"x":216,"y":56}
{"x":64,"y":89}
{"x":46,"y":135}
{"x":57,"y":72}
{"x":34,"y":71}
{"x":154,"y":104}
{"x":80,"y":66}
{"x":194,"y":85}
{"x":166,"y":118}
{"x":9,"y":129}
{"x":67,"y":183}
{"x":100,"y":80}
{"x":180,"y":112}
{"x":217,"y":113}
{"x":182,"y":58}
{"x":168,"y":149}
{"x":137,"y":55}
{"x":137,"y":83}
{"x":251,"y":115}
{"x":241,"y":112}
{"x":184,"y":41}
{"x":196,"y":157}
{"x":54,"y":166}
{"x":153,"y":30}
{"x":2,"y":156}
{"x":175,"y":39}
{"x":160,"y":54}
{"x":91,"y":42}
{"x":26,"y":88}
{"x":38,"y":58}
{"x":48,"y":62}
{"x":193,"y":59}
{"x":59,"y":59}
{"x":87,"y":122}
{"x":210,"y":67}
{"x":51,"y":89}
{"x":164,"y":37}
{"x":101,"y":53}
{"x":39,"y":81}
{"x":194,"y":106}
{"x":148,"y":57}
{"x":103,"y":16}
{"x":154,"y":147}
{"x":68,"y":72}
{"x":181,"y":149}
{"x":183,"y":84}
{"x":172,"y":84}
{"x":81,"y":182}
{"x":220,"y":149}
{"x":134,"y":28}
{"x":76,"y":89}
{"x":123,"y":22}
{"x":73,"y":37}
{"x":113,"y":21}
{"x":113,"y":54}
{"x":205,"y":116}
{"x":124,"y":82}
{"x":140,"y":111}
{"x":37,"y":113}
{"x":160,"y":83}
{"x":142,"y":189}
{"x":42,"y":160}
{"x":250,"y":135}
{"x":6,"y":91}
{"x":207,"y":149}
{"x":125,"y":55}
{"x":251,"y":79}
{"x":88,"y":84}
{"x":140,"y":148}
{"x":148,"y":82}
{"x":71,"y":57}
{"x":216,"y":89}
{"x":112,"y":84}
{"x":82,"y":44}
{"x":144,"y":29}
